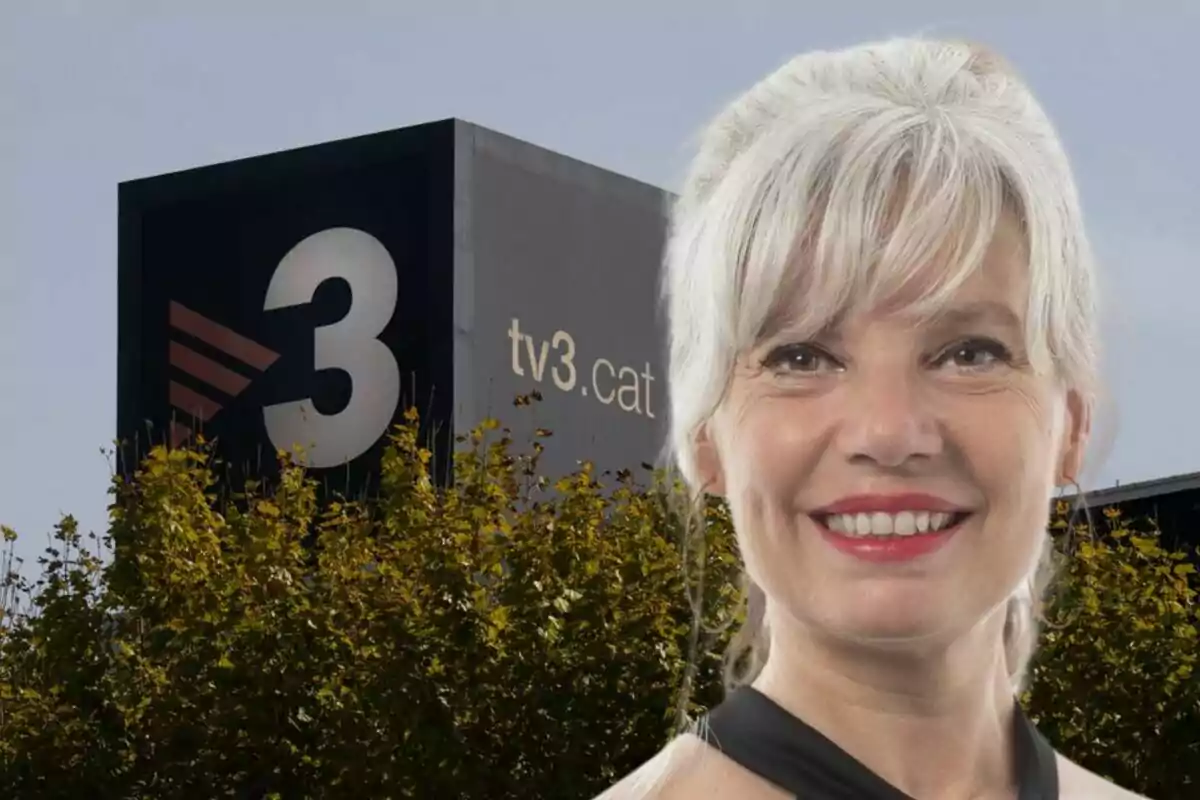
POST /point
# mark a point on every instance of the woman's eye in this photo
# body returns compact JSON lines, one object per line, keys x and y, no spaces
{"x":974,"y":355}
{"x":799,"y":358}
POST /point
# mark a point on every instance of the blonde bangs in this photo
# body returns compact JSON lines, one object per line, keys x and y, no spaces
{"x":901,"y":214}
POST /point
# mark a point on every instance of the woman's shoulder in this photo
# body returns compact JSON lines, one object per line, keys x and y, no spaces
{"x":689,"y":768}
{"x":1077,"y":783}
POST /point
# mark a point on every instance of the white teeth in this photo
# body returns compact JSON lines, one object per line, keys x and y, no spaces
{"x":904,"y":523}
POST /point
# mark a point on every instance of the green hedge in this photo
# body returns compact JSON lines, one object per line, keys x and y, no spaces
{"x":507,"y":636}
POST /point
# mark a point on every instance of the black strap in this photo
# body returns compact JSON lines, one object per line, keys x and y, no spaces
{"x":761,"y":736}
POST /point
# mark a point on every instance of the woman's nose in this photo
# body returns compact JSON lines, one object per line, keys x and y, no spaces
{"x":888,"y":420}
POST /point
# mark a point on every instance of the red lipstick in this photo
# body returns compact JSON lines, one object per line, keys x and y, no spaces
{"x":889,"y":504}
{"x":893,"y":548}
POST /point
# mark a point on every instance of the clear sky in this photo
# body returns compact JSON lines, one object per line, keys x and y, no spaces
{"x":93,"y":93}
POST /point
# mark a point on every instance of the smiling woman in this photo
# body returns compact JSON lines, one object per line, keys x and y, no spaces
{"x":883,"y":356}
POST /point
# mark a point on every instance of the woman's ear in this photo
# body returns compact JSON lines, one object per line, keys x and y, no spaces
{"x":708,"y":463}
{"x":1076,"y":432}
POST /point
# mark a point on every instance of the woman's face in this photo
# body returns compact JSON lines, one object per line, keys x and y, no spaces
{"x":892,"y":480}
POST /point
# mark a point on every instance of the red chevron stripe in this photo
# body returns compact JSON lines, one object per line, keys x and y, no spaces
{"x":220,"y":337}
{"x":205,"y":369}
{"x":192,"y":402}
{"x":180,"y":433}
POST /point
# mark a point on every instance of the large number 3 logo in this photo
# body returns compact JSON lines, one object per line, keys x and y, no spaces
{"x":351,"y":345}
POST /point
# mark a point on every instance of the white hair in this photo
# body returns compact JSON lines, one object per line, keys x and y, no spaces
{"x":840,"y":176}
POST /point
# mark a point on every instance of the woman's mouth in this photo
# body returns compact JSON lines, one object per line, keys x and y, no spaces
{"x":879,"y":523}
{"x":889,"y":528}
{"x":889,"y":536}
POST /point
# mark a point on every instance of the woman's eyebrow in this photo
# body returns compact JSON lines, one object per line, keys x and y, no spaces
{"x":784,"y":320}
{"x":983,"y":311}
{"x":830,"y":332}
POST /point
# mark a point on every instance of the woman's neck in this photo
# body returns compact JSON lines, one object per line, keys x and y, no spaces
{"x":935,"y":725}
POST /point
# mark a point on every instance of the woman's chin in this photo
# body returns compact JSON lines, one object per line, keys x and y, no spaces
{"x":896,"y":622}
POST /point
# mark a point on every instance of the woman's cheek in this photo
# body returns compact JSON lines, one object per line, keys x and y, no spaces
{"x":1036,"y":423}
{"x":770,"y":445}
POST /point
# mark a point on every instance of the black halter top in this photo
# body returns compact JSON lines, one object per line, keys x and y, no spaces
{"x":762,"y":737}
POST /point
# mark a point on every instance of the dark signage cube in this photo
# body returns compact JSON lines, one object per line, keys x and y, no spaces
{"x":307,"y":298}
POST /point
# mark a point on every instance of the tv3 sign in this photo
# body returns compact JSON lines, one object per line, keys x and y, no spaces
{"x":351,"y":344}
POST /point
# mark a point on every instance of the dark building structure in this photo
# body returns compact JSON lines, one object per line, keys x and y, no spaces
{"x":1173,"y":503}
{"x":310,"y":297}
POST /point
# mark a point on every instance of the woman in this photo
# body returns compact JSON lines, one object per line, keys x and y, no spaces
{"x":883,"y":355}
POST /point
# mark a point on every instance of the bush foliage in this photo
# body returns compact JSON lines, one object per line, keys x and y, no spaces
{"x":504,"y":636}
{"x":1116,"y":684}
